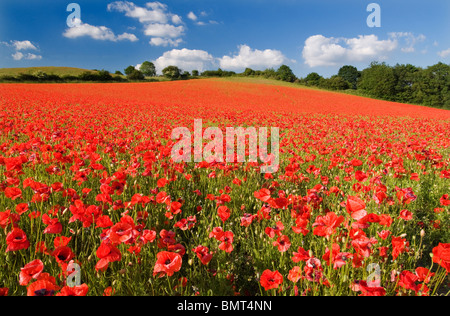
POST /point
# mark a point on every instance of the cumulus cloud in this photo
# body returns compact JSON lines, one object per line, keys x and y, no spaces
{"x":19,"y":47}
{"x":195,"y":18}
{"x":102,"y":33}
{"x":409,"y":39}
{"x":164,"y":27}
{"x":329,"y":51}
{"x":23,"y":45}
{"x":186,"y":59}
{"x":192,"y":16}
{"x":163,"y":30}
{"x":29,"y":56}
{"x":444,"y":53}
{"x":158,"y":41}
{"x":253,"y":58}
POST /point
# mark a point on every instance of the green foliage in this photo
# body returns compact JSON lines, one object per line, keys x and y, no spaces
{"x":148,"y":69}
{"x":335,"y":83}
{"x":136,"y":75}
{"x":432,"y":86}
{"x":350,"y":74}
{"x":172,"y":72}
{"x":313,"y":79}
{"x":285,"y":73}
{"x":378,"y":81}
{"x":129,"y":70}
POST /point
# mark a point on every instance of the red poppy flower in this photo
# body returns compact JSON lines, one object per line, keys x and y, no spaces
{"x":263,"y":195}
{"x":441,"y":255}
{"x":399,"y":245}
{"x":326,"y":225}
{"x":224,"y":213}
{"x":282,"y":243}
{"x":445,"y":200}
{"x":167,"y":263}
{"x":30,"y":271}
{"x":17,"y":240}
{"x":301,"y":255}
{"x":148,"y":236}
{"x":80,"y":290}
{"x":42,"y":288}
{"x":384,"y":234}
{"x":13,"y":193}
{"x":424,"y":274}
{"x":4,"y":291}
{"x":356,"y":207}
{"x":63,"y":254}
{"x":21,"y":208}
{"x":107,"y":253}
{"x":227,"y":242}
{"x":247,"y":219}
{"x":406,"y":215}
{"x":275,"y":230}
{"x":361,"y":286}
{"x":203,"y":254}
{"x":407,"y":280}
{"x":120,"y":233}
{"x":295,"y":274}
{"x":53,"y":225}
{"x":271,"y":279}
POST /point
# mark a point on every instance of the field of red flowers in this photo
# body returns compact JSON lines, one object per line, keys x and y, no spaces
{"x":91,"y":202}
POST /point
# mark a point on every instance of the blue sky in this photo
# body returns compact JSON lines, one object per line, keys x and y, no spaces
{"x":309,"y":36}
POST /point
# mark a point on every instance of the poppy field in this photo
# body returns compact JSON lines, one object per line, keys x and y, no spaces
{"x":91,"y":202}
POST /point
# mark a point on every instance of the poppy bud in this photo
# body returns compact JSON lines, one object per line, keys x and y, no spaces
{"x":422,"y":233}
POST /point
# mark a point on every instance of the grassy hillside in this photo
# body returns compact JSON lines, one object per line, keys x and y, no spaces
{"x":60,"y":71}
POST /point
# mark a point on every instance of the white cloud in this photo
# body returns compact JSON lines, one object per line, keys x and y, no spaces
{"x":192,"y":16}
{"x":127,"y":36}
{"x":19,"y":56}
{"x":256,"y":59}
{"x":186,"y":59}
{"x":156,"y":14}
{"x":102,"y":33}
{"x":410,"y":40}
{"x":158,"y":41}
{"x":329,"y":51}
{"x":164,"y":30}
{"x":164,"y":27}
{"x":444,"y":53}
{"x":23,"y":45}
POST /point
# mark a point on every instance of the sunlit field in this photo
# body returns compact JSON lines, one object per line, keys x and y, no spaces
{"x":92,"y":203}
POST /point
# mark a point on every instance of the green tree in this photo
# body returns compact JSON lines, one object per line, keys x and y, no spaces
{"x":104,"y":75}
{"x":433,"y":86}
{"x":337,"y":83}
{"x":248,"y":72}
{"x":136,"y":75}
{"x":285,"y":73}
{"x":406,"y":77}
{"x":313,"y":79}
{"x":129,"y":70}
{"x":172,"y":72}
{"x":148,"y":69}
{"x":350,"y":74}
{"x":195,"y":73}
{"x":378,"y":81}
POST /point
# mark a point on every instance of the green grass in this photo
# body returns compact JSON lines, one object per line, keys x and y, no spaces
{"x":60,"y":71}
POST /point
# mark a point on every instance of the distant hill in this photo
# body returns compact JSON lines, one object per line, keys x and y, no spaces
{"x":60,"y":71}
